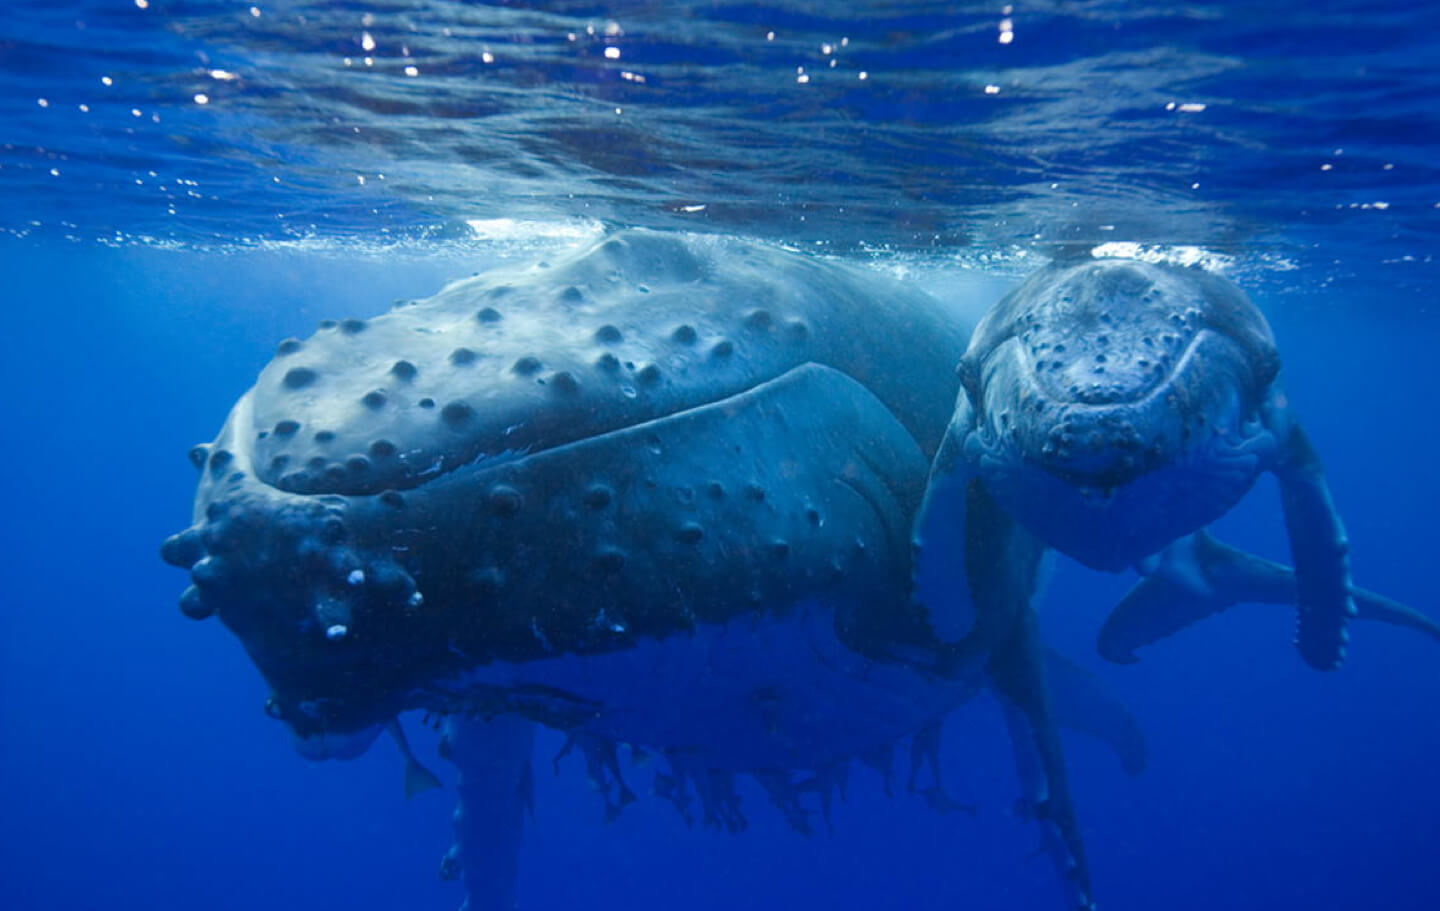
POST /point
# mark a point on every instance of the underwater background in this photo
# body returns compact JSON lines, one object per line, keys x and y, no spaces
{"x":182,"y":184}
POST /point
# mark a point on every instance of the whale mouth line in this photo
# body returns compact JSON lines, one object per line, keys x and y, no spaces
{"x":1214,"y":454}
{"x":441,"y":465}
{"x":1219,"y":456}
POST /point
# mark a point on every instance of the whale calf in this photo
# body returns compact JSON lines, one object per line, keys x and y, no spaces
{"x":1114,"y":408}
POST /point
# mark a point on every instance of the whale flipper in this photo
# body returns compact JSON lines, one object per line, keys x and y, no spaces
{"x":1199,"y":576}
{"x":982,"y":607}
{"x":1003,"y":561}
{"x":418,"y":779}
{"x":493,"y":759}
{"x":1321,"y":554}
{"x":940,"y":581}
{"x":1081,"y":703}
{"x":1019,"y":673}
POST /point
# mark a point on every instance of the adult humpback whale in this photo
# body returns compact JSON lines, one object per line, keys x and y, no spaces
{"x":661,"y":491}
{"x":1114,"y":408}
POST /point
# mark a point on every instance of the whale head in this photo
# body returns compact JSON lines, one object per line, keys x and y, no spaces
{"x":512,"y":472}
{"x":390,"y":506}
{"x":1117,"y":405}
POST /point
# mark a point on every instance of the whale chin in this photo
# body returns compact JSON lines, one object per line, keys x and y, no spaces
{"x":1111,"y":527}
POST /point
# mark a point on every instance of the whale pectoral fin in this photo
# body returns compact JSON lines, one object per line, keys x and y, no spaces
{"x":1320,"y":551}
{"x":493,"y":760}
{"x":940,"y":577}
{"x":1199,"y":576}
{"x":1018,"y":671}
{"x":418,"y":779}
{"x":1002,"y":561}
{"x":1081,"y":702}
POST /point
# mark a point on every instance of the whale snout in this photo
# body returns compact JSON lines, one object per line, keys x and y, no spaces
{"x":1100,"y":448}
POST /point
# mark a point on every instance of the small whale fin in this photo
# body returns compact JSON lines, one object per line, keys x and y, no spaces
{"x":1082,"y":703}
{"x":418,"y":779}
{"x":1199,"y":576}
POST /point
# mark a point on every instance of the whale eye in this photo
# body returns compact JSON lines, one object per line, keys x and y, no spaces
{"x":969,"y":373}
{"x":1267,"y":366}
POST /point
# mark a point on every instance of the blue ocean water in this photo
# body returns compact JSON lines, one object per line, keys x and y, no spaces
{"x":184,"y":183}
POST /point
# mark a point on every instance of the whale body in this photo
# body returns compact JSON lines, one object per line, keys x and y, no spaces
{"x":1114,"y":408}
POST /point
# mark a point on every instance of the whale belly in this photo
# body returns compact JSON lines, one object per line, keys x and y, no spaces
{"x":779,"y":692}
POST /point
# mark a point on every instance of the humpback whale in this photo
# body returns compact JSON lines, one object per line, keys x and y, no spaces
{"x":1113,"y":408}
{"x":700,"y":495}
